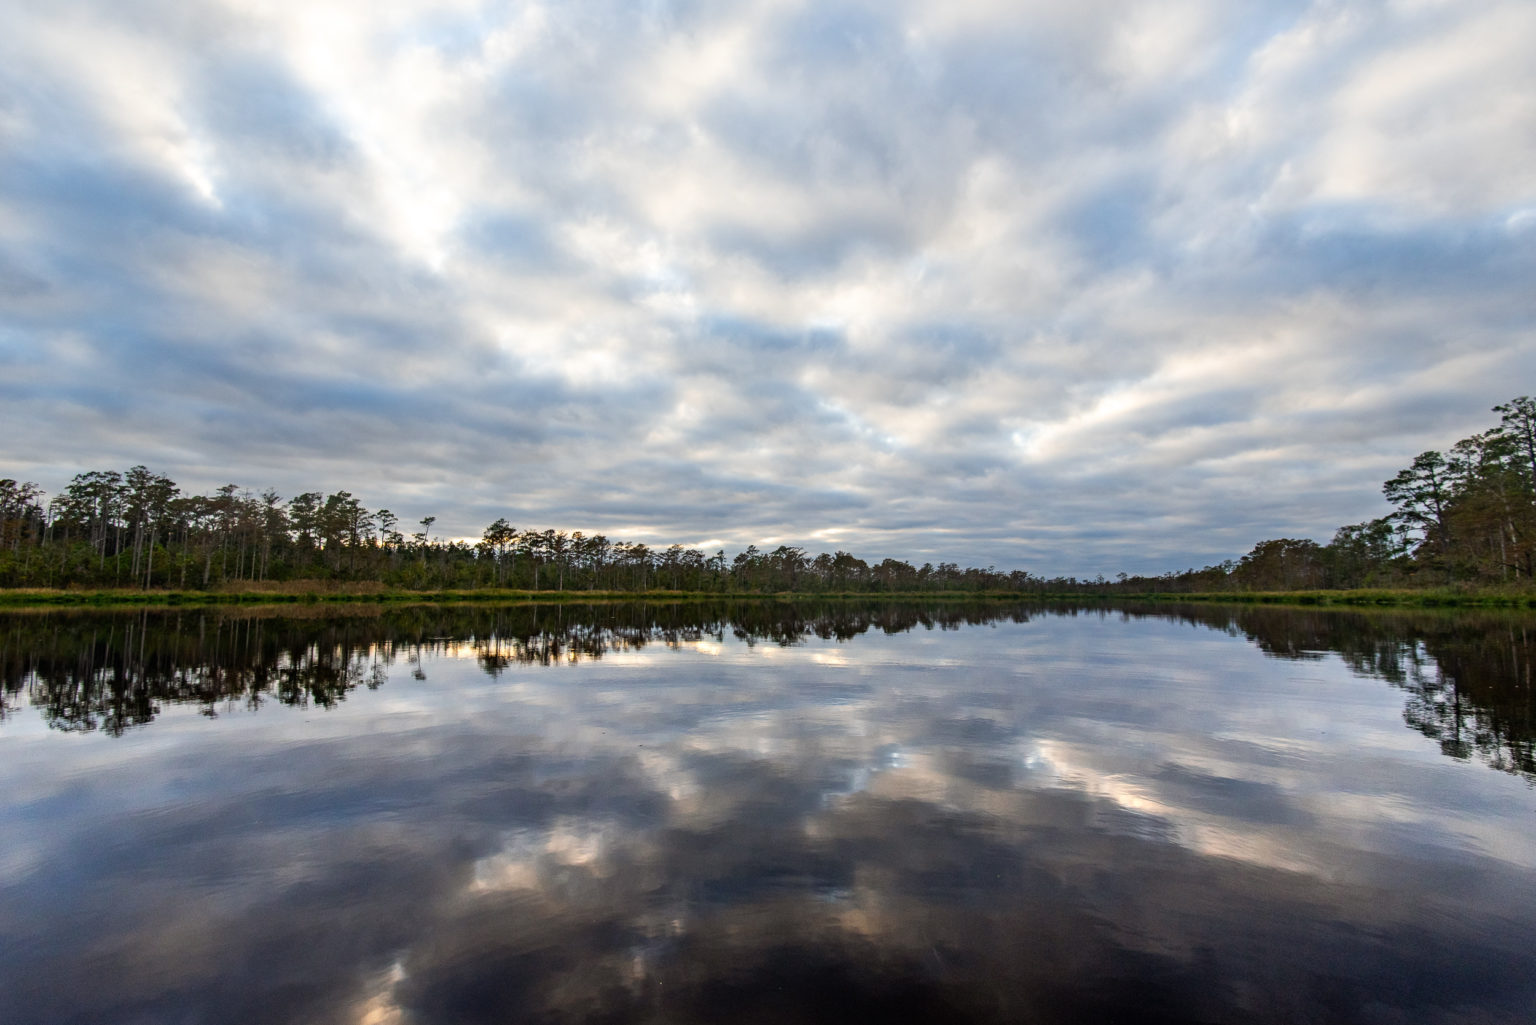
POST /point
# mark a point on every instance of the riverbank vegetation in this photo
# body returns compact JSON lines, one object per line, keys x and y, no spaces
{"x":1463,"y":523}
{"x":306,"y":593}
{"x":1463,"y":531}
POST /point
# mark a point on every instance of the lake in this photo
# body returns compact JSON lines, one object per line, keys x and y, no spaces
{"x":764,"y":812}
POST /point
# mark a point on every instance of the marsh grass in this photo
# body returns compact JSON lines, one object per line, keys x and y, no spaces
{"x":326,"y":592}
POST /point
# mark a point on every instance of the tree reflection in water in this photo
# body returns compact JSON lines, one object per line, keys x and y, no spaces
{"x":1467,"y":675}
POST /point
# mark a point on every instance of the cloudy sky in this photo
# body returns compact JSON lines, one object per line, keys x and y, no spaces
{"x":1072,"y":288}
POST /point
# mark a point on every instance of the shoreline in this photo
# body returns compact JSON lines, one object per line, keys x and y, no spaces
{"x":21,"y":599}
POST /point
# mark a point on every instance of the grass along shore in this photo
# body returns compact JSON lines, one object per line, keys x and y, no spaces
{"x":1364,"y":597}
{"x":330,"y":592}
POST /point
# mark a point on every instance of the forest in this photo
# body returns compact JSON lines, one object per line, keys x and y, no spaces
{"x":1463,"y":517}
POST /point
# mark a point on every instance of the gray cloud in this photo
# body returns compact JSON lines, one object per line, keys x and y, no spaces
{"x":1082,"y":290}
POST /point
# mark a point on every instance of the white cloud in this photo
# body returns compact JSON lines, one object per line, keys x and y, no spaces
{"x":1006,"y":270}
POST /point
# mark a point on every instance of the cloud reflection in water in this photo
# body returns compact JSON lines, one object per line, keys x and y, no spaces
{"x":1056,"y":818}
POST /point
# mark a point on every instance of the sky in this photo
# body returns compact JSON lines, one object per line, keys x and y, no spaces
{"x":1066,"y":288}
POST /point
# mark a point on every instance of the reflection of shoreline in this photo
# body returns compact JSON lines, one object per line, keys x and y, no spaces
{"x":110,"y":671}
{"x":1467,"y":675}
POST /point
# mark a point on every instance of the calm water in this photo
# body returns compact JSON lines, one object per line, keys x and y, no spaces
{"x":767,"y":813}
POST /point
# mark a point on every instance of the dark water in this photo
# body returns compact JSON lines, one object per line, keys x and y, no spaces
{"x":767,"y":813}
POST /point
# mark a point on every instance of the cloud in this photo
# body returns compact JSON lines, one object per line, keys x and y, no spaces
{"x":1056,"y":283}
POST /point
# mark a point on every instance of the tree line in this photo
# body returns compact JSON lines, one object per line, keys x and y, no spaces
{"x":1466,"y":516}
{"x":136,"y":529}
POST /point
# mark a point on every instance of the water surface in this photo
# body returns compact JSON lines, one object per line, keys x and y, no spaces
{"x":762,"y":812}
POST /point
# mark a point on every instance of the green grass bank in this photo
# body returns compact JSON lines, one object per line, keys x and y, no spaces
{"x":316,"y":593}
